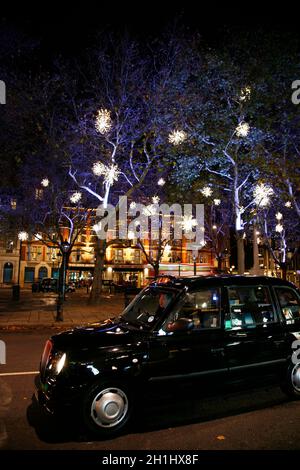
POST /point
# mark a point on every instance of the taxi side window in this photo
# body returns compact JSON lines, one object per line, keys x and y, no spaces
{"x":202,"y":307}
{"x":289,"y":302}
{"x":249,"y":306}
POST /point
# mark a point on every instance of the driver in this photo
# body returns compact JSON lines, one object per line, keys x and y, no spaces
{"x":163,"y":301}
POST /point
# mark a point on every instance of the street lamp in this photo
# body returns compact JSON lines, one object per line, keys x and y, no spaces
{"x":64,"y":248}
{"x":22,"y":236}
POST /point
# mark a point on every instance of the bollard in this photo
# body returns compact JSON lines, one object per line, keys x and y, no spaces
{"x":16,"y":292}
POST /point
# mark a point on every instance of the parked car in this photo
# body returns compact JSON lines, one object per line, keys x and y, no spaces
{"x":211,"y":331}
{"x":70,"y":287}
{"x":50,"y":284}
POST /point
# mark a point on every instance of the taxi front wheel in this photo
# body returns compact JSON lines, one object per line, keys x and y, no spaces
{"x":107,"y":408}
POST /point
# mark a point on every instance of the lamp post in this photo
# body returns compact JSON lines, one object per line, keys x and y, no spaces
{"x":22,"y":236}
{"x":53,"y":264}
{"x":64,"y":248}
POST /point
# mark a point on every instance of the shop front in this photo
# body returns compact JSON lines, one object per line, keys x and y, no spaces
{"x":125,"y":276}
{"x":80,"y":275}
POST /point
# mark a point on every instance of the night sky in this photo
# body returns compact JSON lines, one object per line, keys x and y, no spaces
{"x":68,"y":27}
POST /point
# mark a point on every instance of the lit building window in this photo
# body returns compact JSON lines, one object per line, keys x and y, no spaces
{"x":35,"y":253}
{"x":9,"y":246}
{"x":39,"y":194}
{"x":118,"y":256}
{"x":13,"y":204}
{"x":51,"y":255}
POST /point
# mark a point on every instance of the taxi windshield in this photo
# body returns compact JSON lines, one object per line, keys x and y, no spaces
{"x":148,"y":306}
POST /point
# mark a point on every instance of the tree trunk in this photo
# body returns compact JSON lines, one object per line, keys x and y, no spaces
{"x":156,"y":269}
{"x":240,"y":252}
{"x":219,"y":260}
{"x":255,"y":268}
{"x":238,"y":225}
{"x":98,"y":270}
{"x":284,"y":270}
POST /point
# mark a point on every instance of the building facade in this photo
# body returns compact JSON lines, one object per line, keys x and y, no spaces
{"x":32,"y":260}
{"x":125,"y":263}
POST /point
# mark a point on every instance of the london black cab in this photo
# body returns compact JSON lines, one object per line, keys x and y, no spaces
{"x":217,"y":329}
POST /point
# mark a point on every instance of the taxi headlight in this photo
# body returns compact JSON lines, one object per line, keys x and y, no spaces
{"x":60,"y":363}
{"x":57,"y":363}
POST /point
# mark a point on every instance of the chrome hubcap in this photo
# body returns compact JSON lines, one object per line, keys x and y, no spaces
{"x":296,"y":377}
{"x":109,"y":407}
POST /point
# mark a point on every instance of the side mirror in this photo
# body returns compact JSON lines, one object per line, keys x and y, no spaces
{"x":182,"y":324}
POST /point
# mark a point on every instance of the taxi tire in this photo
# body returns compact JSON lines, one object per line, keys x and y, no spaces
{"x":110,"y":398}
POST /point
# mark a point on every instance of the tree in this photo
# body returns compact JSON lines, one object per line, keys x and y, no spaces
{"x":231,"y":120}
{"x":113,"y":149}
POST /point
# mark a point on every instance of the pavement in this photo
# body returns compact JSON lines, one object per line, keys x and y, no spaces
{"x":35,"y":310}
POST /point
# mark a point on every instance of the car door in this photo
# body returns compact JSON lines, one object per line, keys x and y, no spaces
{"x":254,"y":336}
{"x":288,"y":301}
{"x":194,"y":353}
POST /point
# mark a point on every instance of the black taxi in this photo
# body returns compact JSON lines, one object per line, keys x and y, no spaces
{"x":217,"y":329}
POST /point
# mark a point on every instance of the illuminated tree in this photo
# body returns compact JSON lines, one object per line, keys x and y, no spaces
{"x":235,"y":135}
{"x":117,"y":135}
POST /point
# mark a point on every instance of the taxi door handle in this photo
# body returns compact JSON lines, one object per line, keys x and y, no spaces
{"x":218,"y":351}
{"x":237,"y":334}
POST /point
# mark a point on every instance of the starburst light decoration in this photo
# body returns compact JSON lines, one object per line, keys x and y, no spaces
{"x":245,"y":93}
{"x":217,"y":202}
{"x":110,"y":173}
{"x":278,"y":216}
{"x":103,"y":121}
{"x":206,"y":191}
{"x":242,"y":130}
{"x":76,"y":197}
{"x":177,"y":137}
{"x":188,"y":223}
{"x":262,"y":193}
{"x":99,"y":168}
{"x":45,"y":182}
{"x":23,"y":236}
{"x":155,"y":200}
{"x":132,"y":205}
{"x":288,"y":204}
{"x":161,"y":182}
{"x":279,"y":228}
